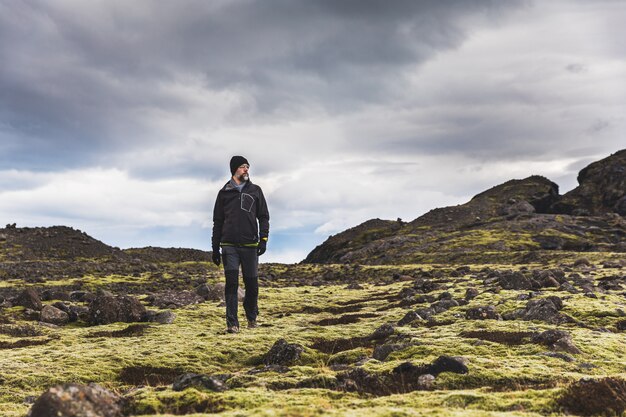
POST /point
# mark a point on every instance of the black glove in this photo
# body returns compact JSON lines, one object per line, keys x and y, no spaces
{"x":260,"y":250}
{"x":217,"y":258}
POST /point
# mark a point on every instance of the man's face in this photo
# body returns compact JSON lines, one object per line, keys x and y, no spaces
{"x":242,"y":173}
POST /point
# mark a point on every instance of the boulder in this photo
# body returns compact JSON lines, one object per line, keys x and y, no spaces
{"x":283,"y":353}
{"x":482,"y":313}
{"x":382,"y":351}
{"x":515,"y":281}
{"x":409,"y":317}
{"x":53,"y":315}
{"x":107,"y":309}
{"x":72,"y":400}
{"x":29,"y":299}
{"x":471,"y":293}
{"x":188,"y":380}
{"x":558,"y":340}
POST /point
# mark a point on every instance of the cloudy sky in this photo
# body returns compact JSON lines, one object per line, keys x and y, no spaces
{"x":119,"y":118}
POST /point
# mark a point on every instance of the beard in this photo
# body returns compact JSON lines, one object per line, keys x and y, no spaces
{"x":243,"y":177}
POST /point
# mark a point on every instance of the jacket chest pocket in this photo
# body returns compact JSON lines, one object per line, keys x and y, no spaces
{"x":247,"y":201}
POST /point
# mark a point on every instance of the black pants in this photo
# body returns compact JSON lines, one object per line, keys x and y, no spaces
{"x":233,"y":257}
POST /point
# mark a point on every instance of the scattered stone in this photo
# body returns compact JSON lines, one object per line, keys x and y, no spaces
{"x":82,"y":296}
{"x":482,"y":313}
{"x":409,"y":317}
{"x":471,"y":293}
{"x":54,"y":294}
{"x":188,"y":380}
{"x":79,"y":313}
{"x":107,"y":309}
{"x":382,"y":351}
{"x":426,"y":381}
{"x":621,"y":325}
{"x":283,"y":353}
{"x":566,"y":286}
{"x":53,"y":315}
{"x":174,"y":299}
{"x":408,"y":371}
{"x":161,"y":317}
{"x":383,"y":332}
{"x":515,"y":281}
{"x":29,"y":299}
{"x":31,"y":314}
{"x":542,"y":309}
{"x":582,"y":262}
{"x":443,"y":305}
{"x":354,"y":286}
{"x":558,"y":340}
{"x":72,"y":400}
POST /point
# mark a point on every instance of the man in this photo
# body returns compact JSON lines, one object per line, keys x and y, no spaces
{"x":238,"y":207}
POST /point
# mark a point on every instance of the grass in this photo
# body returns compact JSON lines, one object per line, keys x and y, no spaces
{"x":511,"y":380}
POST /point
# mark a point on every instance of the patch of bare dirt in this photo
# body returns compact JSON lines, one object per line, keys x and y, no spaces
{"x":506,"y":338}
{"x":149,"y":375}
{"x":592,"y":397}
{"x":345,"y":319}
{"x":131,"y":331}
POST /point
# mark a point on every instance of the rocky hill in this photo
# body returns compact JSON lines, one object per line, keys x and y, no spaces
{"x":512,"y":222}
{"x":52,"y":243}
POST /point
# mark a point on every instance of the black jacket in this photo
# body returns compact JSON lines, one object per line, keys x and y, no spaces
{"x":235,"y":215}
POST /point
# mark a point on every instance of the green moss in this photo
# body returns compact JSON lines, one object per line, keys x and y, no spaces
{"x":503,"y":380}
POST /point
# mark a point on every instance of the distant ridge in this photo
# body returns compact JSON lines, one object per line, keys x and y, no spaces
{"x":509,"y":222}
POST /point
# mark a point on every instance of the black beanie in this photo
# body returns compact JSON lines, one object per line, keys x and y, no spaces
{"x":237,"y":161}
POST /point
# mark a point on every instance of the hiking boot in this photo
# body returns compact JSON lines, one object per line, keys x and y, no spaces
{"x":253,"y":324}
{"x":232,"y":329}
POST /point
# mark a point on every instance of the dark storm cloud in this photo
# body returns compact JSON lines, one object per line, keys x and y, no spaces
{"x":81,"y":81}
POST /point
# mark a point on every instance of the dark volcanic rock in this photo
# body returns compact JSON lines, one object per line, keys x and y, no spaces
{"x":557,"y":340}
{"x":515,"y":281}
{"x":601,"y":189}
{"x":107,"y":309}
{"x":29,"y":299}
{"x":53,"y":294}
{"x":542,"y":309}
{"x":439,"y":365}
{"x":73,"y":400}
{"x":174,"y":299}
{"x":161,"y":317}
{"x":283,"y":353}
{"x":482,"y":313}
{"x":382,"y":351}
{"x":409,"y":317}
{"x":188,"y":380}
{"x":471,"y":293}
{"x":404,"y":378}
{"x":53,"y":315}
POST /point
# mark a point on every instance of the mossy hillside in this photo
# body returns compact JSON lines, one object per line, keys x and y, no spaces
{"x":502,"y":378}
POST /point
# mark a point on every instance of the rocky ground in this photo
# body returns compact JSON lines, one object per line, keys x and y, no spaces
{"x":145,"y":336}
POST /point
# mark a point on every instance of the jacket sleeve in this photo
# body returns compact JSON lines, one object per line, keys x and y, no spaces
{"x":263,"y":215}
{"x":218,"y":221}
